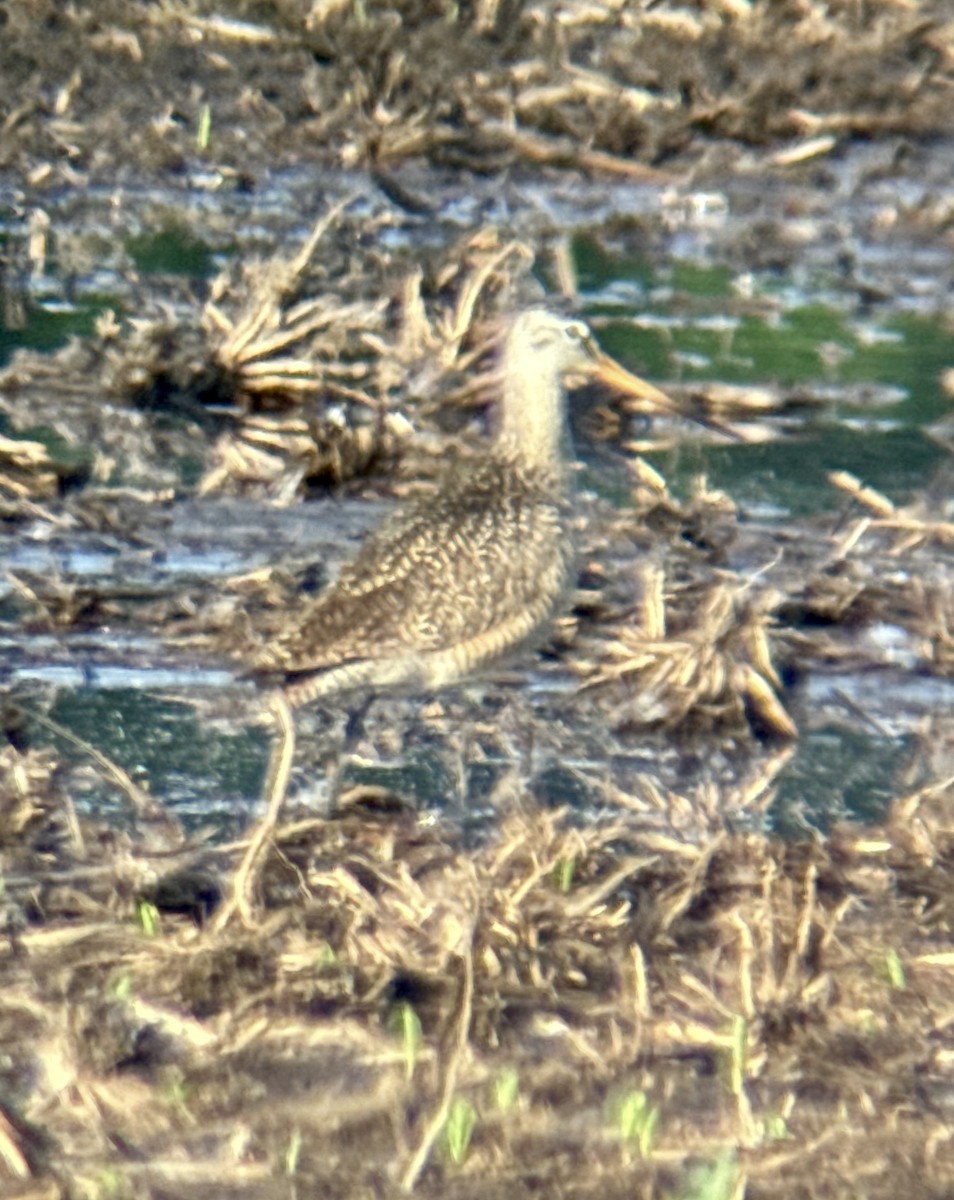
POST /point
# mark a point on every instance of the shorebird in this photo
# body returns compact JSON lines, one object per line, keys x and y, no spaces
{"x":473,"y":571}
{"x":453,"y":581}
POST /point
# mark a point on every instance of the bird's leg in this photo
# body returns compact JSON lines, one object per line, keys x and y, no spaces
{"x":241,"y":896}
{"x":354,"y":723}
{"x":528,"y":755}
{"x":352,"y":731}
{"x":456,"y":739}
{"x":464,"y":741}
{"x":464,"y":748}
{"x":519,"y":732}
{"x":526,"y":747}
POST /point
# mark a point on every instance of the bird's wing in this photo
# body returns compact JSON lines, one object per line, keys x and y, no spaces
{"x":437,"y":574}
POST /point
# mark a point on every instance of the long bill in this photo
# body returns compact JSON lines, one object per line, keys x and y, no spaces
{"x":648,"y":398}
{"x":642,"y":397}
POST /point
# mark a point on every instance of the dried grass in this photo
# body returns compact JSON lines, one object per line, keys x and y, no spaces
{"x":693,"y":654}
{"x":711,"y":661}
{"x":788,"y":1002}
{"x":885,"y":567}
{"x":640,"y":91}
{"x":327,"y":389}
{"x":292,"y":379}
{"x":26,"y":470}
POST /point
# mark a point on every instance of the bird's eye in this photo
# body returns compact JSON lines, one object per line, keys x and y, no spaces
{"x":576,"y":331}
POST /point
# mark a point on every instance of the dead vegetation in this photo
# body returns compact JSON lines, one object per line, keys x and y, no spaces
{"x":293,"y":381}
{"x":703,"y":646}
{"x":363,"y":376}
{"x":626,"y":90}
{"x":597,"y":1011}
{"x":699,"y":649}
{"x":26,"y":469}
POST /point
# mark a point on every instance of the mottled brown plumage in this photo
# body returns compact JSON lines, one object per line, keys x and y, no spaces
{"x":469,"y":573}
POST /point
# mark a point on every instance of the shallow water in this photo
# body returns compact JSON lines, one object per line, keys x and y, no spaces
{"x":837,"y":311}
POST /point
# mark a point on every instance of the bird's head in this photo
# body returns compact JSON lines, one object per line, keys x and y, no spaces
{"x":550,"y":341}
{"x":540,"y":343}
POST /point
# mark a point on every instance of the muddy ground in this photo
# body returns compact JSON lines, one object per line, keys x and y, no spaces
{"x":96,"y":92}
{"x":658,"y":999}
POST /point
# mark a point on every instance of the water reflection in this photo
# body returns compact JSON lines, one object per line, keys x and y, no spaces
{"x":859,"y":394}
{"x":210,"y":776}
{"x":840,"y":774}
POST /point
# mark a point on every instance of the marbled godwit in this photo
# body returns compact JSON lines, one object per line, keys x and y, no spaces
{"x":474,"y":570}
{"x":456,"y":580}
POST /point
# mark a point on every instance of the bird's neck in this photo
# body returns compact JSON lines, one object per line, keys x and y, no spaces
{"x":532,"y":422}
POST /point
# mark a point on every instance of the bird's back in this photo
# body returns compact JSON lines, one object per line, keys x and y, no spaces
{"x":452,"y":581}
